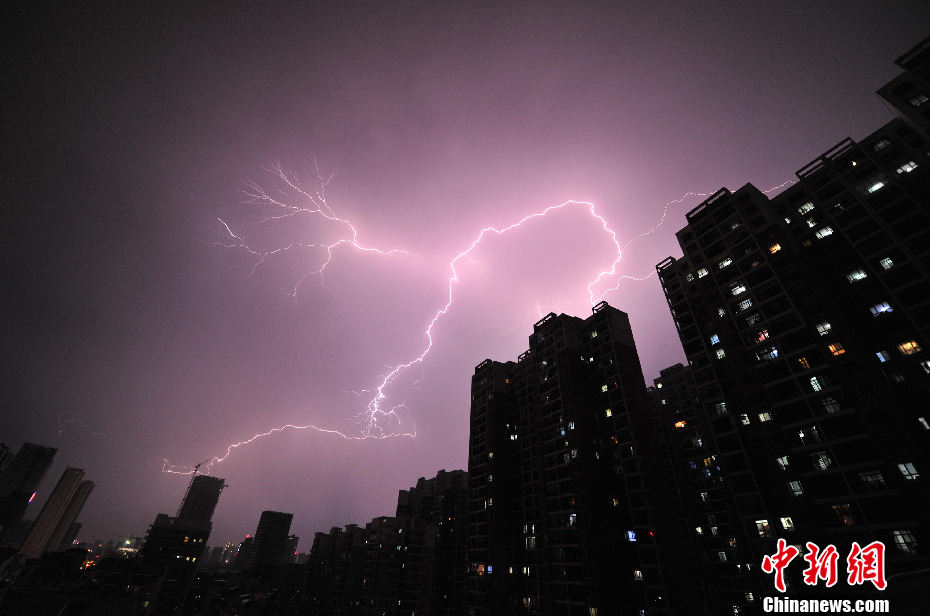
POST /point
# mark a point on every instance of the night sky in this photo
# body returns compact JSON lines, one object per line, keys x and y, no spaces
{"x":131,"y":335}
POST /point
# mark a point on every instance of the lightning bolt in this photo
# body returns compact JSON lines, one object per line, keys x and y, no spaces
{"x":274,"y":205}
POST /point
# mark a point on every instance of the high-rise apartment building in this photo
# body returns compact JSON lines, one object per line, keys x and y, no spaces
{"x":805,"y":320}
{"x":184,"y":537}
{"x":19,"y":481}
{"x":59,"y":512}
{"x":199,"y":503}
{"x":411,"y":563}
{"x":270,"y":544}
{"x":442,"y":503}
{"x":572,"y":507}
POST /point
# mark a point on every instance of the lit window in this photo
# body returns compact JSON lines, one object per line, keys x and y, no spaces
{"x":823,"y":328}
{"x":809,"y":435}
{"x":787,"y":220}
{"x":631,"y":535}
{"x":881,"y":144}
{"x":603,"y":388}
{"x":608,"y":413}
{"x":741,"y":288}
{"x":844,"y":513}
{"x":872,"y":184}
{"x":752,"y":320}
{"x":743,"y":305}
{"x":767,"y":354}
{"x":817,"y":383}
{"x":904,"y":540}
{"x":822,"y":233}
{"x":681,"y":424}
{"x":836,"y":348}
{"x":744,"y":419}
{"x":763,"y":527}
{"x":923,"y":423}
{"x":909,"y":348}
{"x":721,"y":408}
{"x":702,"y":272}
{"x":531,"y":543}
{"x":807,"y":207}
{"x":811,"y":223}
{"x":907,"y":167}
{"x":765,"y":416}
{"x":774,"y":248}
{"x":897,"y":377}
{"x":804,"y":363}
{"x":873,"y":479}
{"x":699,"y":530}
{"x":782,"y":462}
{"x":920,"y":99}
{"x":705,"y":497}
{"x":594,"y":334}
{"x":795,"y":487}
{"x":714,"y":339}
{"x":762,"y":334}
{"x":908,"y":470}
{"x":725,"y":263}
{"x":886,"y":263}
{"x":830,"y":404}
{"x":856,"y":275}
{"x":637,"y":575}
{"x":878,"y":309}
{"x":722,"y":556}
{"x":721,"y":354}
{"x":883,"y":356}
{"x":721,"y":312}
{"x":689,"y":277}
{"x":926,"y":366}
{"x":821,"y":460}
{"x":572,"y":519}
{"x":787,"y":524}
{"x":734,"y":225}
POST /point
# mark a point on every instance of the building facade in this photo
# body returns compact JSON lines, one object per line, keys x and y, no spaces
{"x":572,"y":507}
{"x":805,"y":319}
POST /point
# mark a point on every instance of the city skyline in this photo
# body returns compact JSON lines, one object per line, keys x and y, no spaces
{"x":130,"y":319}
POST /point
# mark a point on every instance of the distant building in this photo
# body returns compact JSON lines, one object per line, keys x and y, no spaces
{"x":58,"y":514}
{"x":67,"y":542}
{"x":19,"y":480}
{"x":199,"y":503}
{"x":441,"y":502}
{"x":290,"y":553}
{"x":179,"y":542}
{"x":335,"y":575}
{"x":270,"y":544}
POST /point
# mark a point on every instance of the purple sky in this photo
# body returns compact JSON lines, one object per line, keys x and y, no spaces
{"x":129,"y":336}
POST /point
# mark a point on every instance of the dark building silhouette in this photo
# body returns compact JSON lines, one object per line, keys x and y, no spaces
{"x":335,"y":572}
{"x":805,"y":318}
{"x":201,"y":498}
{"x":19,"y":481}
{"x":572,"y":508}
{"x":290,"y":551}
{"x":442,"y":503}
{"x":411,"y":563}
{"x":183,"y":538}
{"x":179,"y":542}
{"x":59,"y":512}
{"x":270,"y":544}
{"x":67,"y":541}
